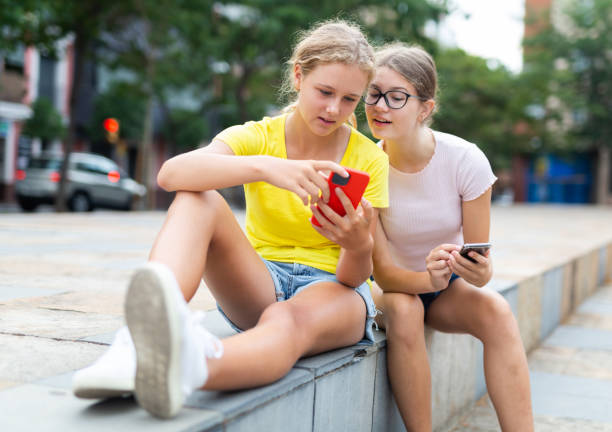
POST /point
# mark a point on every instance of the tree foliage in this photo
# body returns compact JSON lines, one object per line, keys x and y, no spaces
{"x":45,"y":123}
{"x":480,"y":102}
{"x":569,"y":64}
{"x":254,"y":41}
{"x":124,"y":103}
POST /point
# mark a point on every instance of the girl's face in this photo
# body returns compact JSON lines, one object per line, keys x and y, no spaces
{"x":328,"y":95}
{"x":388,"y":123}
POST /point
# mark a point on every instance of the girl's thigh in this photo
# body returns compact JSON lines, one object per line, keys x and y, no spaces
{"x":234,"y":273}
{"x":462,"y":308}
{"x":328,"y":315}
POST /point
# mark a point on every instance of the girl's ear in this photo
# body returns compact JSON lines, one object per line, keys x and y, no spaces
{"x":427,"y":108}
{"x":297,"y":77}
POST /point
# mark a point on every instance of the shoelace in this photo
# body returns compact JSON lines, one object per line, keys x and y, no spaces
{"x":213,"y":348}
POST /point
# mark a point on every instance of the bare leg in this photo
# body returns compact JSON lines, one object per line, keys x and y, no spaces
{"x":407,"y":362}
{"x":202,"y":237}
{"x":485,"y":314}
{"x":322,"y":317}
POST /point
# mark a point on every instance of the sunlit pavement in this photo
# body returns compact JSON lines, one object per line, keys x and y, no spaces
{"x":63,"y":278}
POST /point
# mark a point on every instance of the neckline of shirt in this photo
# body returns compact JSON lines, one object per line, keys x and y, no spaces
{"x":425,"y":168}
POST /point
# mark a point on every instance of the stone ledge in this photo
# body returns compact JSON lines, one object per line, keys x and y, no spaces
{"x":345,"y":389}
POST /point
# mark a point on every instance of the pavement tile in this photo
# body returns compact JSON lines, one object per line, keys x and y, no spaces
{"x":599,"y":305}
{"x":572,"y":361}
{"x":561,"y":424}
{"x":104,"y":338}
{"x":50,"y":409}
{"x":53,"y":323}
{"x":581,"y":337}
{"x":565,"y":396}
{"x":482,"y":418}
{"x":26,"y":358}
{"x":9,"y":292}
{"x":601,"y":322}
{"x":8,"y":384}
{"x":109,"y":302}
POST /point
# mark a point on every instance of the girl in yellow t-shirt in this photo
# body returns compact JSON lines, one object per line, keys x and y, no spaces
{"x":291,"y":288}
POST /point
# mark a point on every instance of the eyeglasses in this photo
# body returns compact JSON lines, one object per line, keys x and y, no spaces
{"x":395,"y":99}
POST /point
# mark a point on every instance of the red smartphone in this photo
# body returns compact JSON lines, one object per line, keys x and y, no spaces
{"x":353,"y":186}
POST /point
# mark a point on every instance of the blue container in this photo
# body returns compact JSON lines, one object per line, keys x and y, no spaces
{"x":559,"y":180}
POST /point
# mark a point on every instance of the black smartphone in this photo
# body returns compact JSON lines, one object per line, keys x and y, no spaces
{"x":481,"y":248}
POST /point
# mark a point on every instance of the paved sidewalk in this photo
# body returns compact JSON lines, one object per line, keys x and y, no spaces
{"x":571,"y":375}
{"x":63,"y":279}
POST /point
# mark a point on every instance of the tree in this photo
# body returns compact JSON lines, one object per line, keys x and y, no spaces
{"x":574,"y":54}
{"x":124,"y":103}
{"x":481,"y":102}
{"x":161,"y":44}
{"x":45,"y":123}
{"x":42,"y":23}
{"x":254,"y":41}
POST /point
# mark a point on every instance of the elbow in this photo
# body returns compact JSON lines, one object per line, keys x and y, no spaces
{"x":163,"y":177}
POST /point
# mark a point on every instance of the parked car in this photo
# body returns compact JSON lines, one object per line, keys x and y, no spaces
{"x":93,"y":181}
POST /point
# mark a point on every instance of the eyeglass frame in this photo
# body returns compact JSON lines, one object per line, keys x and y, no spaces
{"x":384,"y":96}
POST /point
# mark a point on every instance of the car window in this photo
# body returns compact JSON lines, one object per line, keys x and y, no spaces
{"x":96,"y":166}
{"x":45,"y":163}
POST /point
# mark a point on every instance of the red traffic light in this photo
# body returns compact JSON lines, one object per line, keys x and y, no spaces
{"x":111,"y":125}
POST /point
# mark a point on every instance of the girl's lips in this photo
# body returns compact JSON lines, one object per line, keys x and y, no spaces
{"x":326,"y":121}
{"x":381,"y":122}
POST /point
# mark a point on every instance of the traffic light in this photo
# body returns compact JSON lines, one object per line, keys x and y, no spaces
{"x":111,"y":126}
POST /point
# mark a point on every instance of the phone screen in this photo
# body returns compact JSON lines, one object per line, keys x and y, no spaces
{"x":481,"y":248}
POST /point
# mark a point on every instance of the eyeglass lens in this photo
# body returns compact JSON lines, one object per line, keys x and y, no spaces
{"x":393,"y":99}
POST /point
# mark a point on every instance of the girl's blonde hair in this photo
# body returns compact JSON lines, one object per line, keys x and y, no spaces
{"x":414,"y":64}
{"x":334,"y":41}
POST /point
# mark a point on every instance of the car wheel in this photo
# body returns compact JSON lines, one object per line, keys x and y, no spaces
{"x":27,"y":204}
{"x":80,"y":202}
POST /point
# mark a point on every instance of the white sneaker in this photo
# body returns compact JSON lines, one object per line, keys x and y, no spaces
{"x":112,"y":374}
{"x":171,"y":345}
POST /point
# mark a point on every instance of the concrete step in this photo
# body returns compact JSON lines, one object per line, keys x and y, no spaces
{"x":571,"y":375}
{"x":62,"y":283}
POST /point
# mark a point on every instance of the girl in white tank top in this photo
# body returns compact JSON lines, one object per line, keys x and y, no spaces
{"x":439,"y":198}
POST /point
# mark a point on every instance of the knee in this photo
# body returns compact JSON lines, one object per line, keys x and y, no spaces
{"x":404,"y":317}
{"x":198,"y":202}
{"x":495,"y":320}
{"x":283,"y":317}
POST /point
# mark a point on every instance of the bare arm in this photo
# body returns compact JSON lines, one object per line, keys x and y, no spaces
{"x":216,"y":166}
{"x":210,"y":167}
{"x":393,"y":278}
{"x":476,"y":225}
{"x":355,"y":264}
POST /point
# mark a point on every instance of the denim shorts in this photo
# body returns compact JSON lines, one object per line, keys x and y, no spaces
{"x":291,"y":278}
{"x":428,"y":298}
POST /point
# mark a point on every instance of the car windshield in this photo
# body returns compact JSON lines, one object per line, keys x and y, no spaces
{"x":45,"y":163}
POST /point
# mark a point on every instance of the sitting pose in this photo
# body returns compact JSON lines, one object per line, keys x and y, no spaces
{"x":290,"y":288}
{"x":439,"y":198}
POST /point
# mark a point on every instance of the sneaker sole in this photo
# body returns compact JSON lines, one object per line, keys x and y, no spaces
{"x":153,"y":322}
{"x":101,"y":391}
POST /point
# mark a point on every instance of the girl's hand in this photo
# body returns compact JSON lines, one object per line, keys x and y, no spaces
{"x":437,"y":265}
{"x":302,"y":177}
{"x":351,"y":231}
{"x":478,"y":273}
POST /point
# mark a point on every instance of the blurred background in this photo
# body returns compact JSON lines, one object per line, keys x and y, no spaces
{"x":139,"y":81}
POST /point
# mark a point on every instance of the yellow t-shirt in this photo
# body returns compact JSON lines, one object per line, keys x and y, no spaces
{"x":277,"y":222}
